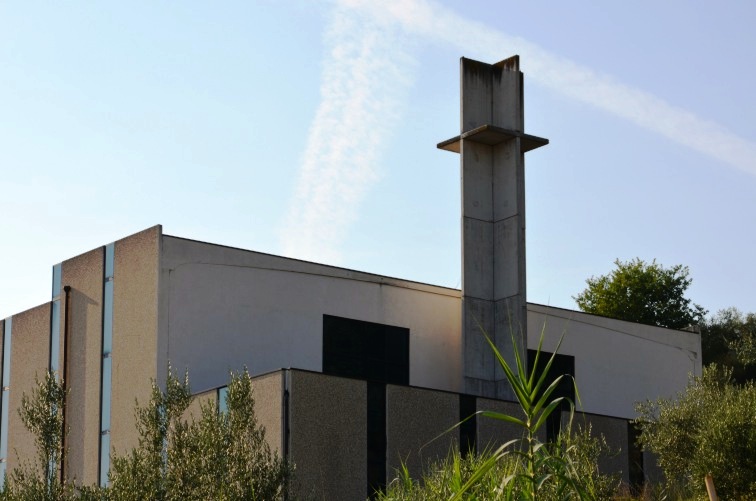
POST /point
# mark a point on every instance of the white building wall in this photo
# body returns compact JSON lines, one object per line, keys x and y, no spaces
{"x":224,"y":308}
{"x":617,"y":363}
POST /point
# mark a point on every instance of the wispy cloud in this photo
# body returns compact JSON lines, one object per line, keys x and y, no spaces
{"x":366,"y":75}
{"x":364,"y":83}
{"x":434,"y":22}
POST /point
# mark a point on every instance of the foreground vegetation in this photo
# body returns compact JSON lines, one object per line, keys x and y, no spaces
{"x":709,"y":428}
{"x":221,"y":456}
{"x":523,"y":469}
{"x":571,"y":473}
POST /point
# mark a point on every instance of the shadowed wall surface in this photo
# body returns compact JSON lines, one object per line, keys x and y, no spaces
{"x":84,"y":274}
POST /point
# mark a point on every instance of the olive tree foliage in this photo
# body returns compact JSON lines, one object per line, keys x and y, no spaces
{"x":42,"y":414}
{"x":709,"y":428}
{"x":642,"y":292}
{"x":729,"y":338}
{"x":222,"y":455}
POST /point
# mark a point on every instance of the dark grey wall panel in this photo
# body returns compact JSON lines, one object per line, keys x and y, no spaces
{"x":414,"y":417}
{"x":651,"y":470}
{"x":328,"y":436}
{"x":615,"y":432}
{"x":492,"y":433}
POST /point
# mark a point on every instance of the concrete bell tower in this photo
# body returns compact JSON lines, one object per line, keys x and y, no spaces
{"x":492,"y":148}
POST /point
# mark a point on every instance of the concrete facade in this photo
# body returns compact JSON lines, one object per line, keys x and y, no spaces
{"x":493,"y":433}
{"x":30,"y":356}
{"x":121,"y":313}
{"x":135,"y":322}
{"x":617,"y":363}
{"x":492,"y":147}
{"x":419,"y":428}
{"x":83,"y":362}
{"x":224,"y":304}
{"x":615,"y":431}
{"x":328,"y":433}
{"x":212,"y":309}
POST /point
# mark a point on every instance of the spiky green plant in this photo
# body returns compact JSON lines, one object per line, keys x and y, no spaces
{"x":445,"y":478}
{"x":525,"y":468}
{"x":542,"y":464}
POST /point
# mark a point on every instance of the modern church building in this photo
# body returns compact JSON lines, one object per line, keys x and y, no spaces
{"x":354,"y":372}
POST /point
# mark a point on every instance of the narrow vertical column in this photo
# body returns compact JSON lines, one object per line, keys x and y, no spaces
{"x":55,"y":321}
{"x":492,"y":146}
{"x":4,"y":402}
{"x":55,"y":359}
{"x":107,"y":363}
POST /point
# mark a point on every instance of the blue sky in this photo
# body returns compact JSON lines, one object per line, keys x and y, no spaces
{"x":309,"y":129}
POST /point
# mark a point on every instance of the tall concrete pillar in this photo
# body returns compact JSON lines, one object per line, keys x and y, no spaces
{"x":492,"y":145}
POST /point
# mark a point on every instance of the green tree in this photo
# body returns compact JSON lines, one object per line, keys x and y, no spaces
{"x":729,"y":338}
{"x":709,"y":428}
{"x":221,"y":456}
{"x":642,"y":292}
{"x":42,"y":414}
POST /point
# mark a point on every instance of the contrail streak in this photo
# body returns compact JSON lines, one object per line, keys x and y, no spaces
{"x":434,"y":22}
{"x":365,"y":80}
{"x":366,"y":76}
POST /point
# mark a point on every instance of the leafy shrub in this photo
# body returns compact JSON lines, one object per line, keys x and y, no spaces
{"x":445,"y":479}
{"x":221,"y":456}
{"x":524,"y":468}
{"x":710,"y":428}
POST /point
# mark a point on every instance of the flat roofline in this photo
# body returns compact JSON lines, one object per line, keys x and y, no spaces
{"x":631,"y":322}
{"x":340,"y":268}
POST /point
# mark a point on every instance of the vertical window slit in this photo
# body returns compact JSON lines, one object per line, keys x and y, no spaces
{"x":107,"y":363}
{"x":8,"y":328}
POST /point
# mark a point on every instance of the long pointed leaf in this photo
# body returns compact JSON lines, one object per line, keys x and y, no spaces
{"x":547,"y":369}
{"x":546,"y":412}
{"x":503,"y":417}
{"x":546,"y":394}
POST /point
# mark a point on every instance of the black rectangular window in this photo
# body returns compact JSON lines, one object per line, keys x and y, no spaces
{"x":365,"y":350}
{"x":376,"y":438}
{"x":468,"y":430}
{"x":562,"y":365}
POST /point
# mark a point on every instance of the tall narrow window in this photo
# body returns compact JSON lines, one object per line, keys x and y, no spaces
{"x":55,"y":320}
{"x":107,"y":363}
{"x":6,"y":391}
{"x":222,"y":393}
{"x":55,"y":333}
{"x":563,"y":365}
